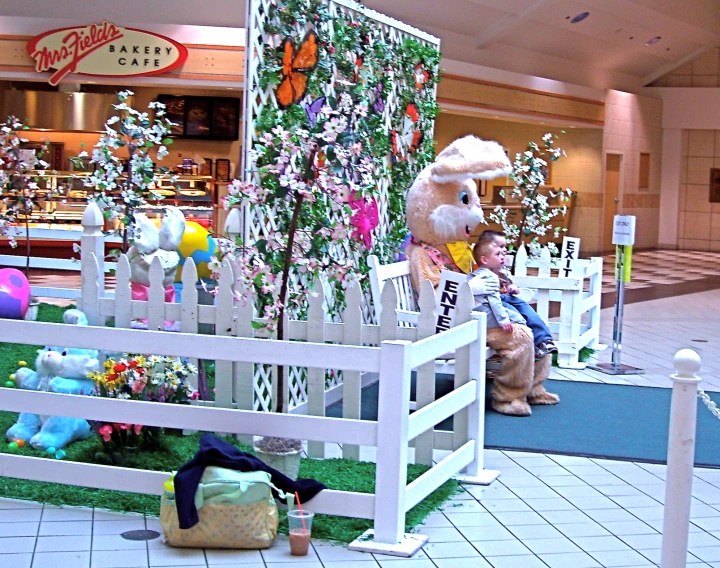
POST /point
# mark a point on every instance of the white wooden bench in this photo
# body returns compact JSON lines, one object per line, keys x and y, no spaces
{"x":579,"y":296}
{"x":398,"y":274}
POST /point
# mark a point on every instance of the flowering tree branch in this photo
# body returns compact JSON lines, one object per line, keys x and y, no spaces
{"x":19,"y":176}
{"x":529,"y":172}
{"x":133,"y":134}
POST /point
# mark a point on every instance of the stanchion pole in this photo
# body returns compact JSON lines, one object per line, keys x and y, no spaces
{"x":681,"y":457}
{"x":623,"y":238}
{"x":619,"y":305}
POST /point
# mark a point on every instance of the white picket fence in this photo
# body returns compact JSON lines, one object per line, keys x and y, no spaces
{"x":579,"y":293}
{"x":316,"y":344}
{"x":47,"y":263}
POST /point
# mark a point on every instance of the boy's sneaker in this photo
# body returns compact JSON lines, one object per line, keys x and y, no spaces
{"x":540,"y":351}
{"x":548,"y":346}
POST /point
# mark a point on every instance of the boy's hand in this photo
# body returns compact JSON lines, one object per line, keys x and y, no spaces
{"x":512,"y":289}
{"x":507,"y":327}
{"x":484,"y":287}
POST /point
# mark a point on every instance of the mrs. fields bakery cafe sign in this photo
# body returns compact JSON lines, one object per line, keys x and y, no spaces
{"x":106,"y":50}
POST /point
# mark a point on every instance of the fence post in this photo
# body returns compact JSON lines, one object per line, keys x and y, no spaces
{"x":476,"y":473}
{"x":681,"y":456}
{"x":392,"y":454}
{"x":92,"y":242}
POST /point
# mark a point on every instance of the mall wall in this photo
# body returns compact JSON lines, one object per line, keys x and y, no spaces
{"x":703,"y":71}
{"x":581,"y":170}
{"x":633,"y":125}
{"x":699,"y":220}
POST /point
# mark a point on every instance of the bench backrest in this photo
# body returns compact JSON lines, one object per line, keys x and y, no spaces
{"x":399,"y":274}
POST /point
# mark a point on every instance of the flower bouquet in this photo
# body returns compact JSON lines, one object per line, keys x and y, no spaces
{"x":137,"y":377}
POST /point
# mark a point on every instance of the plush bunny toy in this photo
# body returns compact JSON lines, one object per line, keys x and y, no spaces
{"x":61,"y":370}
{"x":150,"y":243}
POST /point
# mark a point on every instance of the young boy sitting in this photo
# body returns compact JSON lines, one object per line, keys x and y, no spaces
{"x":541,"y":334}
{"x":506,"y":333}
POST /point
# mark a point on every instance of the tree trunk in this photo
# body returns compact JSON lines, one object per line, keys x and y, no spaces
{"x":283,"y":295}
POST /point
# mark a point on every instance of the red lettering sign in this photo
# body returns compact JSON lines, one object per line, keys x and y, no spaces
{"x":104,"y":49}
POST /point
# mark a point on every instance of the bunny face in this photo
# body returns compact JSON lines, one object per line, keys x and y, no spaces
{"x":442,"y":204}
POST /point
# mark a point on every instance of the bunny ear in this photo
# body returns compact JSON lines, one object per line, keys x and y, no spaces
{"x":470,"y":158}
{"x":146,"y":239}
{"x":172,"y":229}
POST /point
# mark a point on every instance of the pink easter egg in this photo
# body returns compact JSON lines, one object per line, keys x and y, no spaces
{"x":14,"y":293}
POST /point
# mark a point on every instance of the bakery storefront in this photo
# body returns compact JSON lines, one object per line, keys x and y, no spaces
{"x":62,"y":83}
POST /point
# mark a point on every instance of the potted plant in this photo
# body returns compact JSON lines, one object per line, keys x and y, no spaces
{"x":317,"y":185}
{"x":20,"y":174}
{"x":529,"y":171}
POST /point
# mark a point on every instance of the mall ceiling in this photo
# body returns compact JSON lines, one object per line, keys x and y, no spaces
{"x":611,"y":47}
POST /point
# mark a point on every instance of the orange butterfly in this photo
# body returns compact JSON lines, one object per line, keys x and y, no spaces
{"x":295,"y":65}
{"x":421,"y":75}
{"x":409,"y":140}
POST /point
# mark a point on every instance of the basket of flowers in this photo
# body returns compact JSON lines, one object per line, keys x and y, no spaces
{"x":150,"y":378}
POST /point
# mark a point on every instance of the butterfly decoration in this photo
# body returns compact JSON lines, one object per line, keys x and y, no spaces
{"x":319,"y":163}
{"x":312,"y":109}
{"x":421,"y":75}
{"x":295,"y":65}
{"x":408,"y":141}
{"x":365,"y":218}
{"x":359,"y":61}
{"x":379,"y":104}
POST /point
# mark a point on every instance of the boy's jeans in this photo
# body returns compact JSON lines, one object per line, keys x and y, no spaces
{"x":540,"y":331}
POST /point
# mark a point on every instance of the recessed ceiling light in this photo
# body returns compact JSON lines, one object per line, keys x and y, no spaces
{"x":580,"y":17}
{"x":652,"y":41}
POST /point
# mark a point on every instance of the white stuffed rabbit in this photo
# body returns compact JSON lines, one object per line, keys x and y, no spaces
{"x":150,"y":243}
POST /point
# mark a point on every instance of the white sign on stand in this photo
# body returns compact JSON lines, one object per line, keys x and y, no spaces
{"x":623,"y":238}
{"x":623,"y":230}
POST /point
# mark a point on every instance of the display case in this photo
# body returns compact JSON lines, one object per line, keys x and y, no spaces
{"x":193,"y":195}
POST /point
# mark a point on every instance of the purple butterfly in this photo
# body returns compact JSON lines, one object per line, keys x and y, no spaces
{"x":379,"y":104}
{"x":313,"y":109}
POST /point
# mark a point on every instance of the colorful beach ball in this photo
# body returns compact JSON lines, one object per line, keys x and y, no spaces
{"x":197,"y":244}
{"x":14,"y":293}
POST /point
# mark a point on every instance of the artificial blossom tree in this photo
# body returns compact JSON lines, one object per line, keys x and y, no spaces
{"x":20,"y":174}
{"x":529,"y":172}
{"x":313,"y":188}
{"x":125,"y":175}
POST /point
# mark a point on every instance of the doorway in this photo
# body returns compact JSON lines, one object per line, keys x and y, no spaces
{"x":613,"y":165}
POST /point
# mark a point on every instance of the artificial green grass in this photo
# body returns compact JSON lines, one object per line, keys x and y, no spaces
{"x":339,"y":474}
{"x":585,"y":354}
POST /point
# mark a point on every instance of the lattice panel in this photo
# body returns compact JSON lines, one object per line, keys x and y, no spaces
{"x":370,"y":76}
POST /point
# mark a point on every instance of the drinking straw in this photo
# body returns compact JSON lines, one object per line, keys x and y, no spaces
{"x":302,"y":515}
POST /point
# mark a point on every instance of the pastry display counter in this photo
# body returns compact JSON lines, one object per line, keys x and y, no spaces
{"x":193,"y":195}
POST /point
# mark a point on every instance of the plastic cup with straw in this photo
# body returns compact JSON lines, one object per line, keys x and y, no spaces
{"x":300,"y":527}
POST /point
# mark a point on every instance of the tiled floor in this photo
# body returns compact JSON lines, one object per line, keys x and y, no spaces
{"x":545,"y":511}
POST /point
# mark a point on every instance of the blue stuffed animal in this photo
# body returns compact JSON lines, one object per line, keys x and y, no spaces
{"x":56,"y":370}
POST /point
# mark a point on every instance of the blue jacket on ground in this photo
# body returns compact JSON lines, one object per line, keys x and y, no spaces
{"x":214,"y":451}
